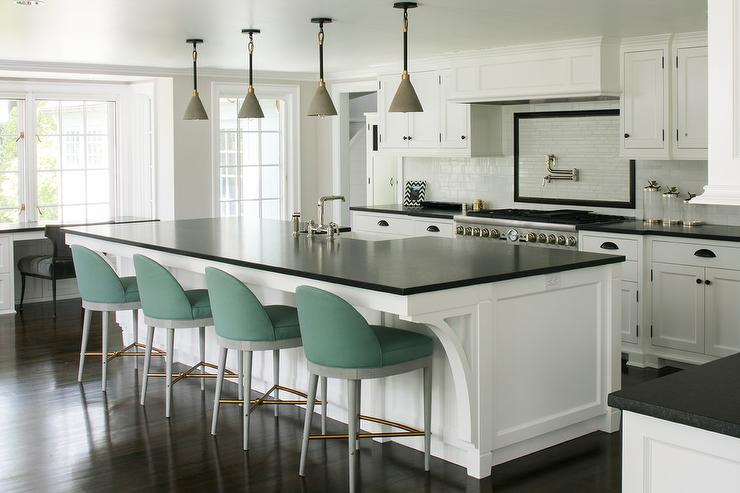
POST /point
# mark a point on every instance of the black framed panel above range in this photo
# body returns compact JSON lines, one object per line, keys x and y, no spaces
{"x":571,"y":158}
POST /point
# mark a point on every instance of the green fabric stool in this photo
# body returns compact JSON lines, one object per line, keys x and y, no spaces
{"x":245,"y":325}
{"x":339,"y":343}
{"x":166,"y":304}
{"x":103,"y":291}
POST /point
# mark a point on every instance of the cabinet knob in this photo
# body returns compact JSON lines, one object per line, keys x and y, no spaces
{"x":405,"y":138}
{"x":626,"y":136}
{"x":707,"y":282}
{"x":409,"y":137}
{"x":462,"y":137}
{"x":699,"y":281}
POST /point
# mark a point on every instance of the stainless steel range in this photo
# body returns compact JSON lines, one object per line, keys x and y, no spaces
{"x":554,"y":229}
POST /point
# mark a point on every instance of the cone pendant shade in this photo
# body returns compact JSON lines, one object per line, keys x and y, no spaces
{"x":321,"y":104}
{"x":195,"y":109}
{"x":405,"y":100}
{"x":251,"y":106}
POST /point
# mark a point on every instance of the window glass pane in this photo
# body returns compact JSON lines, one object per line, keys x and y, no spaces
{"x":229,"y":209}
{"x":72,"y":152}
{"x":251,"y":182}
{"x":73,"y":213}
{"x":73,"y":117}
{"x":47,"y":118}
{"x":73,"y":187}
{"x":98,"y":212}
{"x":9,"y":190}
{"x":271,"y":182}
{"x":97,"y":151}
{"x":48,"y":188}
{"x":97,"y":118}
{"x":271,"y":121}
{"x":49,"y":213}
{"x":228,"y":148}
{"x":8,"y":216}
{"x":250,"y":209}
{"x":250,"y":149}
{"x":97,"y":187}
{"x":8,"y":153}
{"x":9,"y":117}
{"x":271,"y":209}
{"x":228,"y":110}
{"x":251,"y":124}
{"x":270,"y":148}
{"x":228,"y":184}
{"x":47,"y":154}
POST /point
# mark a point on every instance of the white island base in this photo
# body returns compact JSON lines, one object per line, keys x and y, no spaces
{"x":519,"y":365}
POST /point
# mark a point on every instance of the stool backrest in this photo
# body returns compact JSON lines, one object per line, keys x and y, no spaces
{"x":59,"y":248}
{"x":334,"y":333}
{"x":161,"y":295}
{"x":96,"y":279}
{"x":237,"y":313}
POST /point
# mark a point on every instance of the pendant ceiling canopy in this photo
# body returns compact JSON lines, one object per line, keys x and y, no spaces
{"x":251,"y":106}
{"x":321,"y":104}
{"x":195,"y":109}
{"x":405,"y":100}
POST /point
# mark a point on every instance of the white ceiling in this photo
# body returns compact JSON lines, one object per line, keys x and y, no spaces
{"x":365,"y":32}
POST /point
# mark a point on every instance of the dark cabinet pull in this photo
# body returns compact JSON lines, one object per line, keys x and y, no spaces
{"x":433,"y":229}
{"x":383,"y":223}
{"x":409,"y":137}
{"x":704,"y":253}
{"x":405,"y":138}
{"x":462,"y":137}
{"x":608,"y":245}
{"x":707,"y":282}
{"x":626,"y":136}
{"x":699,"y":281}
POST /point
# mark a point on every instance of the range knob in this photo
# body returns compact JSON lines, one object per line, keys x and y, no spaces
{"x":561,"y":240}
{"x":531,"y":238}
{"x":495,"y":234}
{"x":484,"y":232}
{"x":512,"y":235}
{"x":571,"y":241}
{"x":476,"y":231}
{"x":551,"y":239}
{"x":542,"y":238}
{"x":469,"y":231}
{"x":460,"y":230}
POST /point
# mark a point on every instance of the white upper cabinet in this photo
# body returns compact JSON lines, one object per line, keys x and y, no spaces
{"x":691,"y":102}
{"x":394,"y":127}
{"x":455,"y":118}
{"x":644,"y":103}
{"x":424,"y":126}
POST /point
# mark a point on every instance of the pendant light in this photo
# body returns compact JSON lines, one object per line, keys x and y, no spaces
{"x":251,"y":106}
{"x":195,"y":109}
{"x":405,"y":100}
{"x":321,"y":104}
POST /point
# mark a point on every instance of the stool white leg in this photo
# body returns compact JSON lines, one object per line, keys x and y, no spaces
{"x":359,"y":407}
{"x":83,"y":345}
{"x":106,"y":318}
{"x":240,"y":374}
{"x":352,"y":422}
{"x":276,"y":375}
{"x":247,"y":393}
{"x":222,"y":353}
{"x":202,"y":337}
{"x":324,"y":404}
{"x":313,"y":381}
{"x":135,"y":322}
{"x":427,"y":417}
{"x":168,"y":372}
{"x":147,"y":361}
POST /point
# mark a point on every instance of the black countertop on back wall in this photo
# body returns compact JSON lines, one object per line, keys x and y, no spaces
{"x":706,"y":397}
{"x":27,"y":226}
{"x":408,"y":211}
{"x":401,"y":266}
{"x":638,"y":227}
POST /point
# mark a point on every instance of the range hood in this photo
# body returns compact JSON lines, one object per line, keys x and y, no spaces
{"x":574,"y":70}
{"x":723,"y":187}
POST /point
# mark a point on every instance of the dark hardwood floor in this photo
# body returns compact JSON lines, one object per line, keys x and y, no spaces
{"x":58,"y":435}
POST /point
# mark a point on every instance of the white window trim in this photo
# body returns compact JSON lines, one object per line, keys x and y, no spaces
{"x":290,"y":93}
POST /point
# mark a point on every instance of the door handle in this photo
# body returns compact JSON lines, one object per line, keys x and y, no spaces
{"x":383,"y":223}
{"x":433,"y":229}
{"x":609,"y":245}
{"x":705,"y":253}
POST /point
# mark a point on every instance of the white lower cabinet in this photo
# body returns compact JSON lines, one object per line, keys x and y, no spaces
{"x":401,"y":225}
{"x":722,"y":311}
{"x":630,"y":320}
{"x":678,"y":307}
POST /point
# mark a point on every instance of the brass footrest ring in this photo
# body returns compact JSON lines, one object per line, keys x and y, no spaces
{"x":130,"y":350}
{"x":408,"y":431}
{"x":263,"y":400}
{"x":177,"y":376}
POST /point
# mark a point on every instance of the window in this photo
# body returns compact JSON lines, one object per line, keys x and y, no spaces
{"x":251,"y":160}
{"x":70,"y":170}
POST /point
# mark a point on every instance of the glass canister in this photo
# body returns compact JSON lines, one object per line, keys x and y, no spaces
{"x":652,"y":207}
{"x":672,"y":206}
{"x":691,"y":211}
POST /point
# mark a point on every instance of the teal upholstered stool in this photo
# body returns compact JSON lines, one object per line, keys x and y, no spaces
{"x":166,"y":304}
{"x":339,"y":343}
{"x":103,"y":291}
{"x":245,"y":325}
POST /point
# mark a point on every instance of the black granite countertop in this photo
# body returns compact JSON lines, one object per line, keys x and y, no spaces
{"x":705,"y":397}
{"x":401,"y":266}
{"x":638,"y":227}
{"x":432,"y":212}
{"x":39,"y":225}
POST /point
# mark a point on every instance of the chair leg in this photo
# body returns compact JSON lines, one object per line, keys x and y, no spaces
{"x":202,"y":337}
{"x":147,"y":361}
{"x":324,"y":404}
{"x":222,"y":353}
{"x":135,"y":324}
{"x":23,"y":292}
{"x":359,"y":402}
{"x":247,"y":394}
{"x":83,"y":345}
{"x":106,"y":319}
{"x":168,"y":372}
{"x":276,"y":376}
{"x":240,"y":374}
{"x":54,"y":296}
{"x":313,"y":381}
{"x":352,"y":422}
{"x":427,"y":417}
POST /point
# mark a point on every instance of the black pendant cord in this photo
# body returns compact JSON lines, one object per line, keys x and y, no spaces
{"x":195,"y":68}
{"x":405,"y":40}
{"x":250,"y":47}
{"x":321,"y":51}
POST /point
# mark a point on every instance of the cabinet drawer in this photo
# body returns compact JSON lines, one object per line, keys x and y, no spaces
{"x":378,"y":223}
{"x":614,"y":246}
{"x":433,"y":228}
{"x":696,"y":254}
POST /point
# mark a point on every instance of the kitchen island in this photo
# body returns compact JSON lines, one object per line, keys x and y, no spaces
{"x":527,"y":339}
